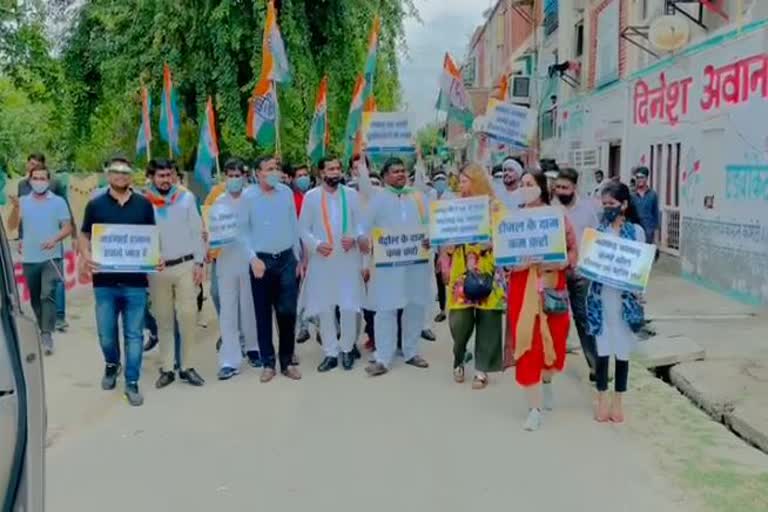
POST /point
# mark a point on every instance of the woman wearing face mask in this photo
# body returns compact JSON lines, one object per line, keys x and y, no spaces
{"x":614,"y":315}
{"x":536,"y":335}
{"x":476,"y":291}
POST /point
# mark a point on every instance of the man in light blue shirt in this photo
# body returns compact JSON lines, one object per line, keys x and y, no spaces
{"x":47,"y":221}
{"x":271,"y":234}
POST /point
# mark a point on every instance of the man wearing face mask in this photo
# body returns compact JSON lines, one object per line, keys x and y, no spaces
{"x":47,"y":222}
{"x":272,"y":241}
{"x":174,"y":291}
{"x":442,"y":192}
{"x":301,"y":183}
{"x":583,"y":214}
{"x":237,"y":321}
{"x":330,"y":228}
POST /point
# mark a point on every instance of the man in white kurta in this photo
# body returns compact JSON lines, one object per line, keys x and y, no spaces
{"x":236,"y":318}
{"x":330,"y":227}
{"x":398,"y":207}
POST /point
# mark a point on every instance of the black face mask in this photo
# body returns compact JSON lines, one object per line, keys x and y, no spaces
{"x":332,"y":181}
{"x":565,"y":199}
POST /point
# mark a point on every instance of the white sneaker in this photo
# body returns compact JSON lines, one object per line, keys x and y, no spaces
{"x":533,"y":423}
{"x":548,"y":396}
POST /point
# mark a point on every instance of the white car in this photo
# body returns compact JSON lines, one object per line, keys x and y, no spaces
{"x":22,"y":399}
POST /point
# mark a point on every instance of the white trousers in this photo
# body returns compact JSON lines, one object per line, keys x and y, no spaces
{"x":237,"y":318}
{"x":385,"y":329}
{"x":332,"y":345}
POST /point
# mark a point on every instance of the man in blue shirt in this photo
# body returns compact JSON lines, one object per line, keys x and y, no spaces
{"x":271,"y":231}
{"x":48,"y":222}
{"x":646,"y":203}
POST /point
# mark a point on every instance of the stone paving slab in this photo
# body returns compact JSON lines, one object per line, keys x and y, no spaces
{"x":667,"y":351}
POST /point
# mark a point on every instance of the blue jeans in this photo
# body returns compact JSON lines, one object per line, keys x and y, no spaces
{"x":130,"y":303}
{"x":150,"y":324}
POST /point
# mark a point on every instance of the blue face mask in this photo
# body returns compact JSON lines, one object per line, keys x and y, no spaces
{"x":611,"y":214}
{"x":235,"y":185}
{"x":302,"y":183}
{"x":273,"y":180}
{"x":441,"y":186}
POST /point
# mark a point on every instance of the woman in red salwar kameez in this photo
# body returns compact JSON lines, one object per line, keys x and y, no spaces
{"x":536,"y":340}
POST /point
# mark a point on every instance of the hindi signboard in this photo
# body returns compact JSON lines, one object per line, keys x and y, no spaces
{"x":399,"y":248}
{"x":511,"y":125}
{"x":460,"y":221}
{"x":389,"y":134}
{"x":125,"y":248}
{"x":530,"y":235}
{"x":615,"y":262}
{"x":223,"y":224}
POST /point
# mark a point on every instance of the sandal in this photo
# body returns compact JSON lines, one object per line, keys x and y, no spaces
{"x":480,"y":381}
{"x":458,"y":374}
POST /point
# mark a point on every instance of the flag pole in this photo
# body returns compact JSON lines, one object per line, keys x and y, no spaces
{"x":218,"y":169}
{"x":277,"y":121}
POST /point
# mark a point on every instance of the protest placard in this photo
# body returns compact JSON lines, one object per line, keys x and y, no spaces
{"x":223,"y":225}
{"x":530,"y":234}
{"x":460,"y":221}
{"x":399,"y":248}
{"x":388,"y":134}
{"x":125,"y":247}
{"x":510,"y":124}
{"x":614,"y":261}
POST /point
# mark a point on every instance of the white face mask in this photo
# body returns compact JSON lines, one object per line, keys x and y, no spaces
{"x":40,"y":187}
{"x":530,"y":194}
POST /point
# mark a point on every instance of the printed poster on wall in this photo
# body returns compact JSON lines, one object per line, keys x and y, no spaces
{"x":530,"y":234}
{"x":460,"y":221}
{"x":614,"y":261}
{"x":125,"y":248}
{"x":607,"y":65}
{"x":400,"y":248}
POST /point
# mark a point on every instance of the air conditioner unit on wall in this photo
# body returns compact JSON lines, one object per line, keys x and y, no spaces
{"x":520,"y":89}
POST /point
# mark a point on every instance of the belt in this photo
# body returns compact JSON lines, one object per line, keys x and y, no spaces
{"x":274,"y":255}
{"x":179,"y":261}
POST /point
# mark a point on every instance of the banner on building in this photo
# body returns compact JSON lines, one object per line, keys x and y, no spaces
{"x":460,"y":221}
{"x":530,"y":235}
{"x":614,"y":261}
{"x":398,"y":248}
{"x":510,"y":124}
{"x":125,"y":248}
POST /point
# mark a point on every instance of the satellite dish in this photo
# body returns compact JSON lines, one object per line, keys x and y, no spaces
{"x":669,"y":32}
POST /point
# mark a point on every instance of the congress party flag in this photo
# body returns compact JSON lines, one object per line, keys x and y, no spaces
{"x":453,"y":97}
{"x":318,"y":130}
{"x":144,"y":137}
{"x":263,"y":114}
{"x":170,"y":120}
{"x":207,"y":147}
{"x":370,"y":61}
{"x":355,"y":118}
{"x":274,"y":66}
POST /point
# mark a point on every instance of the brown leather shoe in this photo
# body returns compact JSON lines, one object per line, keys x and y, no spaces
{"x":292,"y":373}
{"x":376,"y":369}
{"x":418,"y":362}
{"x":267,"y":374}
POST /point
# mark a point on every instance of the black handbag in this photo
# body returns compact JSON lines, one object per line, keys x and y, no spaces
{"x":478,"y":286}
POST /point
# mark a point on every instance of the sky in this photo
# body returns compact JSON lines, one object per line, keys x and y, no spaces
{"x":446,"y":25}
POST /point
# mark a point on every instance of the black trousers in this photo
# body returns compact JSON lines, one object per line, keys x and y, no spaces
{"x":370,"y":318}
{"x":277,"y":291}
{"x":441,"y":298}
{"x":578,"y":289}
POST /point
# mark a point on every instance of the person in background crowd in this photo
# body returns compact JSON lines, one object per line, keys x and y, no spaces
{"x":301,"y":182}
{"x":330,"y":227}
{"x":615,"y":315}
{"x":118,"y":294}
{"x":509,"y":193}
{"x":646,"y":204}
{"x":599,"y":182}
{"x":59,"y":189}
{"x":272,"y":237}
{"x":442,"y":192}
{"x":237,"y":320}
{"x":397,"y":207}
{"x":217,"y":191}
{"x":582,"y":214}
{"x":476,"y":293}
{"x":497,"y":173}
{"x":538,"y":329}
{"x":48,"y":222}
{"x":174,"y":290}
{"x":422,"y":183}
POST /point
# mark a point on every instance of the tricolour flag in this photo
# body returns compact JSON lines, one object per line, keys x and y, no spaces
{"x":370,"y":60}
{"x":207,"y":148}
{"x":170,"y":120}
{"x":318,"y":130}
{"x":274,"y":66}
{"x":355,"y":118}
{"x":144,"y":137}
{"x":499,"y":94}
{"x":263,"y":114}
{"x":453,"y":97}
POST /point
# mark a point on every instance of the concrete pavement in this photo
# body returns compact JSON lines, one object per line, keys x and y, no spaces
{"x":412,"y":440}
